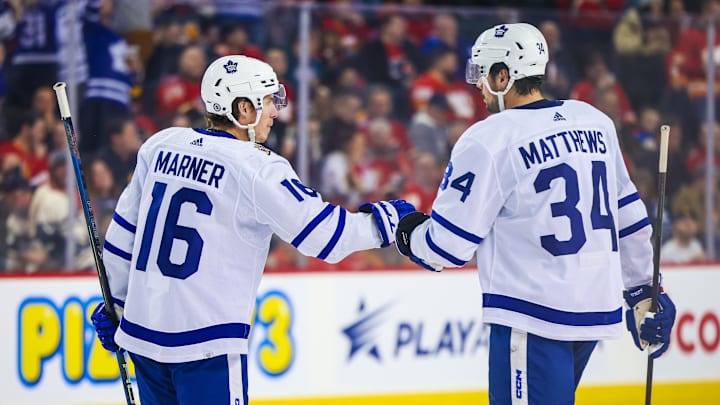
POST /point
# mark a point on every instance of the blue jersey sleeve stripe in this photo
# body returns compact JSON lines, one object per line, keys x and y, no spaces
{"x":312,"y":225}
{"x":440,"y":251}
{"x":634,"y":227}
{"x":190,"y":337}
{"x":123,"y":223}
{"x":550,"y":314}
{"x":455,"y":229}
{"x":109,"y":247}
{"x":118,"y":301}
{"x":628,"y":199}
{"x":336,"y":236}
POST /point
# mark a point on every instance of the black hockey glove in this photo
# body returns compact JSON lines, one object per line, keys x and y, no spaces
{"x":402,"y":239}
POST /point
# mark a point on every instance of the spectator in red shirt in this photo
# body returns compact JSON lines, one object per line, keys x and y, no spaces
{"x":349,"y":25}
{"x":182,"y":91}
{"x":687,"y":60}
{"x":436,"y":79}
{"x":598,"y":77}
{"x":27,"y":148}
{"x":422,"y":190}
{"x":440,"y":79}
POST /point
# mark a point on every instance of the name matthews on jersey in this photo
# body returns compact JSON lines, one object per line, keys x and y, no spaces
{"x":190,"y":167}
{"x":541,"y":150}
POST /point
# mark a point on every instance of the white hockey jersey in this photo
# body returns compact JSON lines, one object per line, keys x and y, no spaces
{"x":191,"y":232}
{"x":543,"y":195}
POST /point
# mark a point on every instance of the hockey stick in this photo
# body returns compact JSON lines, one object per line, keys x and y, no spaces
{"x":62,"y":99}
{"x":657,"y":240}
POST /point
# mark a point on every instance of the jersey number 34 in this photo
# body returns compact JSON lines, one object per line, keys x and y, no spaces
{"x":568,"y":207}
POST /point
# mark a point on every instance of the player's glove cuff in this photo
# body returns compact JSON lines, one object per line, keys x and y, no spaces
{"x":405,"y":228}
{"x":402,"y":239}
{"x":387,"y":214}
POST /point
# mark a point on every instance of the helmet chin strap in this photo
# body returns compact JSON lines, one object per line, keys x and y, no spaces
{"x":251,"y":127}
{"x":499,"y":94}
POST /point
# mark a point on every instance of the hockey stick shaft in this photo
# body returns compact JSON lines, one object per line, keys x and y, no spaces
{"x":61,"y":93}
{"x":657,"y":241}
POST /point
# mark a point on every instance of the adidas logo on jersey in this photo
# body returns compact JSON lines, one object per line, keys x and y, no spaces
{"x":197,"y":142}
{"x":558,"y":117}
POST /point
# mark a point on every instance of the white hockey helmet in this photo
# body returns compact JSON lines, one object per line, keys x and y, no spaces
{"x":233,"y":76}
{"x":521,"y":46}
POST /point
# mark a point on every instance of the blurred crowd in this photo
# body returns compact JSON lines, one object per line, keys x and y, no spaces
{"x":387,"y":93}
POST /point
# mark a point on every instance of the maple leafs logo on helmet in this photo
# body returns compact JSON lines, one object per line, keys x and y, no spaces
{"x":500,"y":31}
{"x":231,"y":67}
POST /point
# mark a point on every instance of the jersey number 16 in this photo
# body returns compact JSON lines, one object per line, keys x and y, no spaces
{"x":172,"y":231}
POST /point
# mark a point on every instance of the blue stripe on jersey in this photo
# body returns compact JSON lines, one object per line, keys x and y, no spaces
{"x":221,"y":134}
{"x":628,"y":199}
{"x":312,"y":225}
{"x":109,"y":247}
{"x":124,"y":223}
{"x":336,"y":236}
{"x":634,"y":227}
{"x":455,"y":229}
{"x":552,"y":315}
{"x":437,"y":249}
{"x":118,"y":301}
{"x":190,"y":337}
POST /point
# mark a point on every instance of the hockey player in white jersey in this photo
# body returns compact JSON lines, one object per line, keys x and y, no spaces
{"x":190,"y":235}
{"x":540,"y":191}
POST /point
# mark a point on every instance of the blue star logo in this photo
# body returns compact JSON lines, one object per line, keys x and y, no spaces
{"x":500,"y":31}
{"x":230,"y":66}
{"x":362,"y":333}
